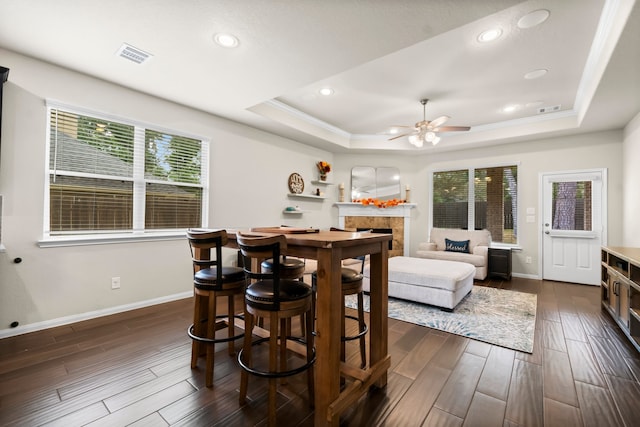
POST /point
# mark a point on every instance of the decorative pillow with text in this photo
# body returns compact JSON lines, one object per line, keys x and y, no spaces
{"x":456,"y":246}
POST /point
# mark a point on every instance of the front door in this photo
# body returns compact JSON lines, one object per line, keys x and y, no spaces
{"x":572,"y":225}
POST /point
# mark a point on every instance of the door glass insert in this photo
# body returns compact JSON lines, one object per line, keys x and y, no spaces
{"x":571,"y":206}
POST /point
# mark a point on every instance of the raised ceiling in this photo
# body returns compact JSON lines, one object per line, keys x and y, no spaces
{"x":380,"y":58}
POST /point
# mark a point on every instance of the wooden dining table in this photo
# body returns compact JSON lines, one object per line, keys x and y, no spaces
{"x":329,"y":248}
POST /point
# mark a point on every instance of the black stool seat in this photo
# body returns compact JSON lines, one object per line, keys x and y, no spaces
{"x":347,"y":275}
{"x":208,"y":278}
{"x":290,"y":268}
{"x":261,"y":294}
{"x":350,"y":275}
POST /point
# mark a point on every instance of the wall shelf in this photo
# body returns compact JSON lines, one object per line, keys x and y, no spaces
{"x":305,"y":196}
{"x":321,"y":183}
{"x":286,"y":212}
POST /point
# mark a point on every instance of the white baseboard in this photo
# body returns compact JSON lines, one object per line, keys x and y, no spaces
{"x":38,"y":326}
{"x":526,"y":276}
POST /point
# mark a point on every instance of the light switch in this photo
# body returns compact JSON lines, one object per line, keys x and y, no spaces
{"x":531,"y":218}
{"x":531,"y":211}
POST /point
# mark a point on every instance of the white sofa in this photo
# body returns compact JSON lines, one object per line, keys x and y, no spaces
{"x":478,"y":256}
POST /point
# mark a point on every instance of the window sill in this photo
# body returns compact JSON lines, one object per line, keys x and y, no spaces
{"x":513,"y":247}
{"x":107,"y":239}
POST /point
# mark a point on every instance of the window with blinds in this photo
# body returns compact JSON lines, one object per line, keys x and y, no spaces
{"x":114,"y":176}
{"x":478,"y":198}
{"x":450,"y":199}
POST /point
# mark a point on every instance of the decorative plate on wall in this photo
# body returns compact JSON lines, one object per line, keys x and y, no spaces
{"x":296,"y":183}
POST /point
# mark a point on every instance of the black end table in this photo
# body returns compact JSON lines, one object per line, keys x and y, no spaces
{"x":500,"y":263}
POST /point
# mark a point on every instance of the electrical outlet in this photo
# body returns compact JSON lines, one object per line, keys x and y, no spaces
{"x":528,"y":260}
{"x":115,"y":283}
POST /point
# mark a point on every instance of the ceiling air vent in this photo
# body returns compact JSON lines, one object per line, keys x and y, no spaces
{"x":133,"y":54}
{"x":551,"y":109}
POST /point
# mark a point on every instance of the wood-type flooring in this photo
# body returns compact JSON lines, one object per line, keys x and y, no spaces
{"x":132,"y":369}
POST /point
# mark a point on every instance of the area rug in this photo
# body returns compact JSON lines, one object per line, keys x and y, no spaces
{"x":496,"y":316}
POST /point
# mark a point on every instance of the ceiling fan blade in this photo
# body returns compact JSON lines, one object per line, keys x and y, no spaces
{"x":437,"y":122}
{"x":399,"y":136}
{"x":451,"y":128}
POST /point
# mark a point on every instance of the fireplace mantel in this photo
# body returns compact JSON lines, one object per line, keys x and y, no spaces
{"x":346,"y":209}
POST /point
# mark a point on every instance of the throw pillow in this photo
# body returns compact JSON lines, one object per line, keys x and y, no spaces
{"x":456,"y":246}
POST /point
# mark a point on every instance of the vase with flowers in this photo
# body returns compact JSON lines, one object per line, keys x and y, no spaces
{"x":324,"y":168}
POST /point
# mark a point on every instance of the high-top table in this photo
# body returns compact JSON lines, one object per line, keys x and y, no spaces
{"x":329,"y":248}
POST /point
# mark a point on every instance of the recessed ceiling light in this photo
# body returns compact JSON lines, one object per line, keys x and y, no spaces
{"x":534,"y":18}
{"x":326,"y":91}
{"x":535,"y":74}
{"x":510,"y":108}
{"x":489,"y":35}
{"x":226,"y":40}
{"x":394,"y":131}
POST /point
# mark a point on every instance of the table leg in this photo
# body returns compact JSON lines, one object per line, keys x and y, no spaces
{"x":378,"y":328}
{"x":327,"y":366}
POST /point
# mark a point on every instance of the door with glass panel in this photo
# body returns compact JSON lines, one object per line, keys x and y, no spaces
{"x":572,"y":225}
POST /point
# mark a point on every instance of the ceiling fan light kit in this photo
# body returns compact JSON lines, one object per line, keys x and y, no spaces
{"x":427,"y":130}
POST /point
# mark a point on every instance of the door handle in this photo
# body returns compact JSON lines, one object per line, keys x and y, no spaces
{"x":546,"y":232}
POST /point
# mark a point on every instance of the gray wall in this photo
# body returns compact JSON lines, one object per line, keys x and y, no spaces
{"x":631,"y":179}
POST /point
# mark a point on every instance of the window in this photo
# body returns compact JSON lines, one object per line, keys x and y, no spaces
{"x":477,"y":198}
{"x":115,"y":176}
{"x":571,"y":205}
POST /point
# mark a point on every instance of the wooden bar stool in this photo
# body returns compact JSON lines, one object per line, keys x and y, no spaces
{"x":212,"y":280}
{"x":272,"y":297}
{"x":351,"y":285}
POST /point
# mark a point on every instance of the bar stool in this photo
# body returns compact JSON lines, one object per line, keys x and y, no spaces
{"x":277,"y":299}
{"x":212,"y":280}
{"x":351,"y":285}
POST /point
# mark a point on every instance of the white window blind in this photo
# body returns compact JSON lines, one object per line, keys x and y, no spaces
{"x":116,"y":176}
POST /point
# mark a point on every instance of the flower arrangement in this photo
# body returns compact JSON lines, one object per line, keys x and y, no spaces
{"x":379,"y":203}
{"x":323,"y":167}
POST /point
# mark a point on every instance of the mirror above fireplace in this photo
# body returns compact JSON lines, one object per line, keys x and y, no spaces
{"x":377,"y":183}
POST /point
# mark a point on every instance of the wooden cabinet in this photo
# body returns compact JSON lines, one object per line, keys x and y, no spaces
{"x":500,"y":263}
{"x":620,"y":289}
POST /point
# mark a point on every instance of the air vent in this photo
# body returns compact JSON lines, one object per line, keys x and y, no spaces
{"x":551,"y":109}
{"x":133,"y":54}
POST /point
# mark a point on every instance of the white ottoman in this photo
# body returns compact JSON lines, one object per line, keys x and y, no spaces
{"x":429,"y":281}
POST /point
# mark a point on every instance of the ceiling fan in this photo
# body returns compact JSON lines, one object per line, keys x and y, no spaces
{"x":428,"y":130}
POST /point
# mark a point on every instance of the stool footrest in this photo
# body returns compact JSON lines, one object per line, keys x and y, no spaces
{"x":223,"y":325}
{"x":278,"y":374}
{"x":362,"y":332}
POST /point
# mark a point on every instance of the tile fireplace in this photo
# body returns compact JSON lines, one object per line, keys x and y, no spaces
{"x":396,"y":218}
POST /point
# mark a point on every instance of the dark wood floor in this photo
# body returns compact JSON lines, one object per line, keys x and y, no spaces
{"x":133,"y":369}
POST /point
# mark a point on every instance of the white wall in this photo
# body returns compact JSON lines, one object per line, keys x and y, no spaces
{"x":630,"y":182}
{"x":249,"y":171}
{"x":600,"y":150}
